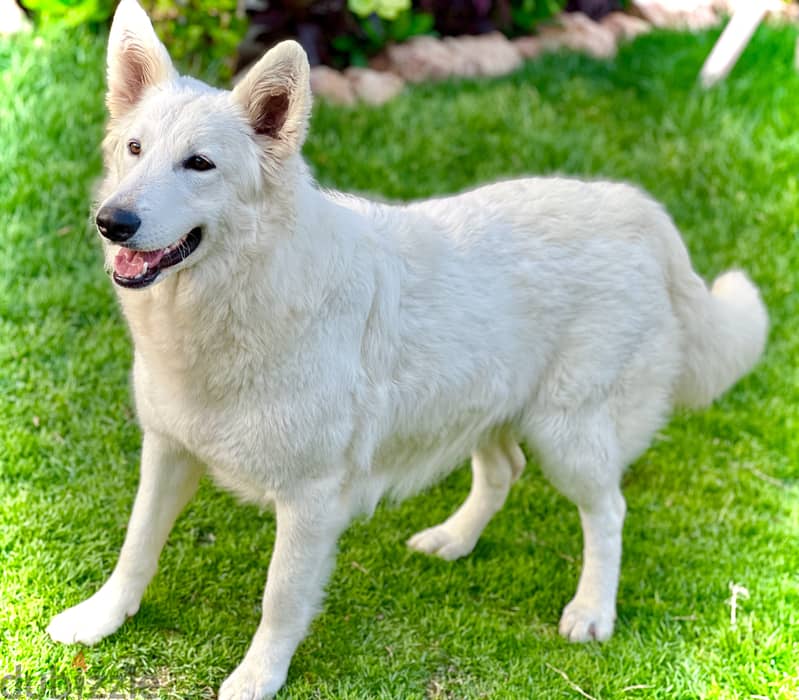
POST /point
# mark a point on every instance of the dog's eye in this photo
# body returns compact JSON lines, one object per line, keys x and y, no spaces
{"x":134,"y":147}
{"x":198,"y":163}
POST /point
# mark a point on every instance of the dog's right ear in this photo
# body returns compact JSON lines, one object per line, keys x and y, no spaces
{"x":136,"y":58}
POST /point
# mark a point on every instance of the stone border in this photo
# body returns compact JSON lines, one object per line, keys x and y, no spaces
{"x":425,"y":58}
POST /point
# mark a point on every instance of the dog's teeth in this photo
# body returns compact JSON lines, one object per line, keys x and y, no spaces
{"x":146,"y":267}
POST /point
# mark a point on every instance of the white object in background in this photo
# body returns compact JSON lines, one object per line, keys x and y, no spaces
{"x":733,"y":40}
{"x":12,"y":18}
{"x":736,"y":593}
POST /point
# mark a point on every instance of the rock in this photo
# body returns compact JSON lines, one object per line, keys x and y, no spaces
{"x":625,"y":26}
{"x":12,"y":18}
{"x":380,"y":61}
{"x":725,"y":7}
{"x":678,"y":14}
{"x":652,"y":12}
{"x":775,"y":9}
{"x":596,"y":40}
{"x":701,"y":18}
{"x":427,"y":58}
{"x":784,"y":11}
{"x":528,"y":46}
{"x":462,"y":61}
{"x":579,"y":33}
{"x":421,"y":58}
{"x":485,"y":55}
{"x":331,"y":85}
{"x":374,"y":87}
{"x":371,"y":86}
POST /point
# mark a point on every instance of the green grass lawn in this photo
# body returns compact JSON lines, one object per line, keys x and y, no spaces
{"x":715,"y":501}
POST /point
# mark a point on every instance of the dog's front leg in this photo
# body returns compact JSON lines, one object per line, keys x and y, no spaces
{"x":169,"y":478}
{"x":308,"y":527}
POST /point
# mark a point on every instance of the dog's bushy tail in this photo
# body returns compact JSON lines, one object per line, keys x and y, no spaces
{"x":724,"y":332}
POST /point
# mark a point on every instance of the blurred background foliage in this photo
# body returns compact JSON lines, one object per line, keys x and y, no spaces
{"x":349,"y":32}
{"x":218,"y":36}
{"x":70,"y":12}
{"x":203,"y":35}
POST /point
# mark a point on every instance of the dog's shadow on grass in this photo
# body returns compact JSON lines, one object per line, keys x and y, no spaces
{"x":388,"y":608}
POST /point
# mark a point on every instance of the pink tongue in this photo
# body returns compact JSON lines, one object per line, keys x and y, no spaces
{"x":130,"y":263}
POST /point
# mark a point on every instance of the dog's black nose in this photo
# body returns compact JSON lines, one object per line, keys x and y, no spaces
{"x":117,"y":224}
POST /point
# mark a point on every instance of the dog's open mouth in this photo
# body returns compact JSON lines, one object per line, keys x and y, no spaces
{"x":138,"y":268}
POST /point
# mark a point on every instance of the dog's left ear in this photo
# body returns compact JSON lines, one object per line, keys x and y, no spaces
{"x":136,"y":58}
{"x":276,"y":95}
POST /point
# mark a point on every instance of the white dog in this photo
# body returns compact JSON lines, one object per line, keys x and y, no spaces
{"x":316,"y":351}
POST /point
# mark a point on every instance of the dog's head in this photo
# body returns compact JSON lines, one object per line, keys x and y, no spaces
{"x":181,"y":156}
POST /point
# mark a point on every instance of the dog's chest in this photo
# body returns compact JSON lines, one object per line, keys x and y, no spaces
{"x":257,"y":433}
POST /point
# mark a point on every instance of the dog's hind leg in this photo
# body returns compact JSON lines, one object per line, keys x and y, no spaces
{"x":169,"y":478}
{"x":580,"y":455}
{"x":494,"y":468}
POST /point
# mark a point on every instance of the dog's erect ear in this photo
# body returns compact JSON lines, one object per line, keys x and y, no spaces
{"x":276,"y":94}
{"x":136,"y":58}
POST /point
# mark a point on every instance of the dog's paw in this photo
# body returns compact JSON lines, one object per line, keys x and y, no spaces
{"x":584,"y":623}
{"x":250,"y":682}
{"x":441,"y":542}
{"x":89,"y":621}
